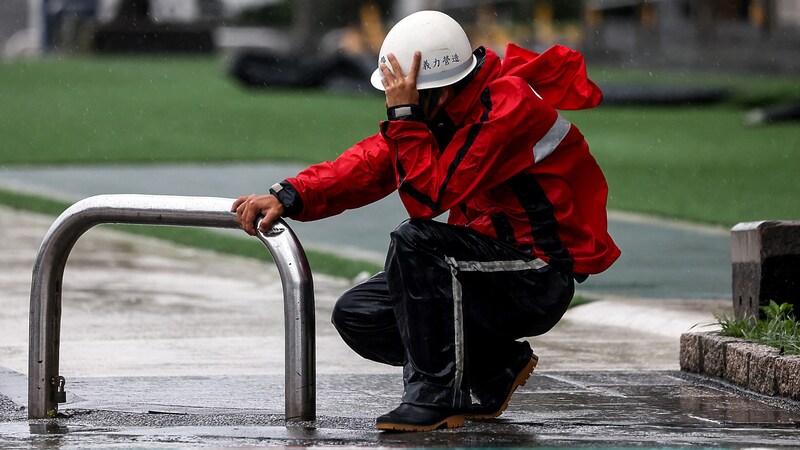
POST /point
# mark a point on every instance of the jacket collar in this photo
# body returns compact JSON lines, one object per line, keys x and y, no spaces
{"x":487,"y":69}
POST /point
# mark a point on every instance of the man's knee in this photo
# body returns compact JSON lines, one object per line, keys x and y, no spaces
{"x":342,"y":313}
{"x":362,"y":306}
{"x":415,"y":233}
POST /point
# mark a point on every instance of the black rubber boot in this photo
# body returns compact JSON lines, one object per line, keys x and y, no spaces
{"x":493,"y":397}
{"x":409,"y":417}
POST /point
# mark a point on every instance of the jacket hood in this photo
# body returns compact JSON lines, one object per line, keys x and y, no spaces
{"x":558,"y":75}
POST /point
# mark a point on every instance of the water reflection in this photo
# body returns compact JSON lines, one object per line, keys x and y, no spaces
{"x":48,"y":428}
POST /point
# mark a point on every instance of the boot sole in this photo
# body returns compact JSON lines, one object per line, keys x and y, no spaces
{"x":522,"y":378}
{"x":450,"y":422}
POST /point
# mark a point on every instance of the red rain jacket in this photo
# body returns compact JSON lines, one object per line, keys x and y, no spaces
{"x":513,"y":167}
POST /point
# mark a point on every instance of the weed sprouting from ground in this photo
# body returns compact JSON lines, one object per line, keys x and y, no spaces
{"x":779,"y":329}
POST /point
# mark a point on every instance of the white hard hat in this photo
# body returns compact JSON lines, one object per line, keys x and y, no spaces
{"x":446,"y":53}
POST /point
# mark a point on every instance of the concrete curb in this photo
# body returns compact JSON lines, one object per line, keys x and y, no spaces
{"x":755,"y":367}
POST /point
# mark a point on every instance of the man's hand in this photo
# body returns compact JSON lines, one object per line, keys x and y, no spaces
{"x":248,"y":209}
{"x":400,"y":89}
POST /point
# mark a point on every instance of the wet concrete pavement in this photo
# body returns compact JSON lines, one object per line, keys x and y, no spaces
{"x":555,"y":409}
{"x":170,"y":347}
{"x":165,"y":346}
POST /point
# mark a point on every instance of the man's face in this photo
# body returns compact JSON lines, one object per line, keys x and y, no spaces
{"x":433,"y":101}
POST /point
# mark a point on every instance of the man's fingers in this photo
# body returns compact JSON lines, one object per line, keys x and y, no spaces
{"x":241,"y":207}
{"x":412,"y":74}
{"x":240,"y":210}
{"x":398,"y":71}
{"x":238,"y":202}
{"x":247,"y":218}
{"x":270,"y":216}
{"x":248,"y":210}
{"x":264,"y":225}
{"x":387,"y":74}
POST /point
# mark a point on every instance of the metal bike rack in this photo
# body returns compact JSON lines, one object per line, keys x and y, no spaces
{"x":45,"y":386}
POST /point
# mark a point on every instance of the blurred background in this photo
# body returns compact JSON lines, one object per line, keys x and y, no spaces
{"x":756,"y":35}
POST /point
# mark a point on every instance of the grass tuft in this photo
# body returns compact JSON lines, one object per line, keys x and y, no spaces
{"x":779,"y":329}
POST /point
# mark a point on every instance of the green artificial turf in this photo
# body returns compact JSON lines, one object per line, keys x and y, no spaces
{"x":695,"y":163}
{"x":145,"y":110}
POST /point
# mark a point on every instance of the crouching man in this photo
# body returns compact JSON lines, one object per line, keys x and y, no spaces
{"x":479,"y":138}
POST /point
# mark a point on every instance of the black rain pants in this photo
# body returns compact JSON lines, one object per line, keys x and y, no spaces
{"x":449,"y":307}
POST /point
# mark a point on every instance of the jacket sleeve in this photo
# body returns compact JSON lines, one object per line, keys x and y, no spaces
{"x":361,"y":175}
{"x":481,"y":155}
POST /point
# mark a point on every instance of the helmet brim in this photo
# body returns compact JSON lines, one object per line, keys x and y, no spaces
{"x":377,"y":77}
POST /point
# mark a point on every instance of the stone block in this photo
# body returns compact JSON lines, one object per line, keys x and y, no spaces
{"x":761,"y":371}
{"x":714,"y":350}
{"x":737,"y":362}
{"x":691,"y":352}
{"x":787,"y":372}
{"x":758,"y":368}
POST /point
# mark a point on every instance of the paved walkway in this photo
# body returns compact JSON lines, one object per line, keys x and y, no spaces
{"x":167,"y":346}
{"x":661,"y":259}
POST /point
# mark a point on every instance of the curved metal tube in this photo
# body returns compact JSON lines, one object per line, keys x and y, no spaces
{"x":213,"y":212}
